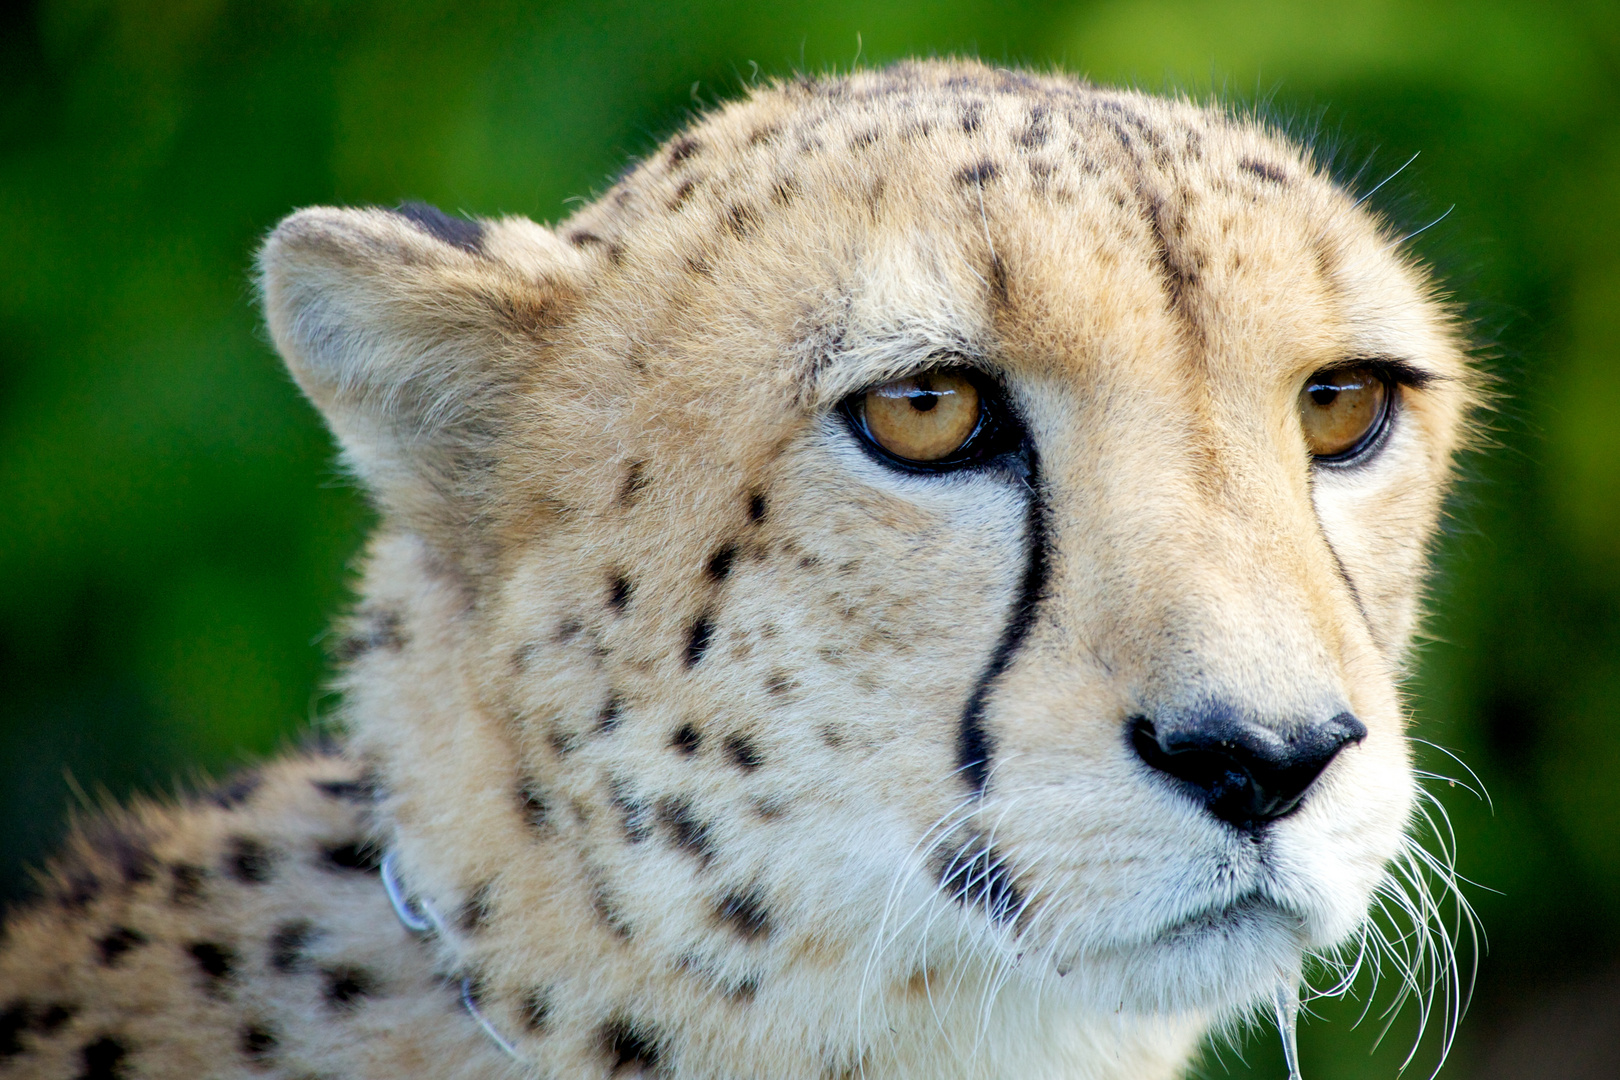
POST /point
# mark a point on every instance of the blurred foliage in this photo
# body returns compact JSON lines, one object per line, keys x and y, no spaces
{"x":174,"y":538}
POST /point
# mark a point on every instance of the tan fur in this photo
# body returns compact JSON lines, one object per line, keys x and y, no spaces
{"x":662,"y":678}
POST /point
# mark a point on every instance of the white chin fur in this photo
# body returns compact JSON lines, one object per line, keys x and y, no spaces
{"x":1213,"y":964}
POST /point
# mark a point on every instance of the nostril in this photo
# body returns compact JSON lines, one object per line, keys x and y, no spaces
{"x":1245,"y":773}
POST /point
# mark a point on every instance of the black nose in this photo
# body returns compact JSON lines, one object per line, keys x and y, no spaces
{"x":1244,"y":772}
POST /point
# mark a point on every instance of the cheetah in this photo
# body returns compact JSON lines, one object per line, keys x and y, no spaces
{"x":913,"y":581}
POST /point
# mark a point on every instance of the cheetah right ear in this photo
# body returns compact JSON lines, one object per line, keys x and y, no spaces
{"x":405,"y":327}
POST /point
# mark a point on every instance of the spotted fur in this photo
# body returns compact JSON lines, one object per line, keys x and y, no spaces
{"x":703,"y":743}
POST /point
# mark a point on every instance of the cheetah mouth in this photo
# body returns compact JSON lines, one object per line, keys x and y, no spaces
{"x":1220,"y":957}
{"x":1250,"y":912}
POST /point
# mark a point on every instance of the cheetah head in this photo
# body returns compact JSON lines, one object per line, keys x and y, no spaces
{"x":917,"y":573}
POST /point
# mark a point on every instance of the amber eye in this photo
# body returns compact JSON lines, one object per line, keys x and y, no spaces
{"x":924,"y":418}
{"x":1342,"y":409}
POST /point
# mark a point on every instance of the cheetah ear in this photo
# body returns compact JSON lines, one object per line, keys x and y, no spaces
{"x":404,"y":327}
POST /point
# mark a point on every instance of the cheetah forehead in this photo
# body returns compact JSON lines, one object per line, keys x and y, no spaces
{"x":865,"y":223}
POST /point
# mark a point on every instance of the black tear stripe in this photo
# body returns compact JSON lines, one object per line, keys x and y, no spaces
{"x":974,"y":746}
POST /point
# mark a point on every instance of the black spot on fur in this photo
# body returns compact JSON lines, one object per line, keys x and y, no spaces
{"x":258,"y":1042}
{"x":612,"y":250}
{"x":455,"y":231}
{"x":287,"y":944}
{"x":561,"y":740}
{"x":374,"y":630}
{"x":974,"y":745}
{"x":116,"y":942}
{"x":634,"y":816}
{"x":745,"y":912}
{"x":235,"y":791}
{"x":743,"y":753}
{"x":53,"y":1017}
{"x":619,"y":593}
{"x":778,"y":682}
{"x":686,"y":831}
{"x":977,"y":876}
{"x":122,"y":844}
{"x":607,"y":909}
{"x":972,"y":116}
{"x":103,"y":1059}
{"x":12,"y":1022}
{"x":741,"y":220}
{"x":862,"y":139}
{"x":532,"y":803}
{"x":186,"y":884}
{"x":357,"y":854}
{"x":635,"y":479}
{"x":979,"y":172}
{"x":535,"y":1009}
{"x":631,"y":1046}
{"x":1264,"y":171}
{"x":682,"y":193}
{"x":478,"y":910}
{"x":20,"y":1016}
{"x":756,"y":507}
{"x":720,"y":563}
{"x":78,"y":889}
{"x":344,"y":988}
{"x":249,"y":861}
{"x":682,"y":150}
{"x":1038,"y":131}
{"x":698,"y":642}
{"x":362,"y":790}
{"x":218,"y":962}
{"x":608,"y":719}
{"x":687,"y":739}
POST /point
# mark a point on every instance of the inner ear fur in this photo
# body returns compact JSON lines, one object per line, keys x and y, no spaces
{"x":408,"y":329}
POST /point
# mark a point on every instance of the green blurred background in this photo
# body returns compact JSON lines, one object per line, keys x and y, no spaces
{"x":174,"y":537}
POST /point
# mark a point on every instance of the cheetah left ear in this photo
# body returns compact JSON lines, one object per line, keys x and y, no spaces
{"x":404,"y":327}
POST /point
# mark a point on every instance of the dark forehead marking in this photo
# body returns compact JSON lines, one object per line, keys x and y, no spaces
{"x":457,"y":232}
{"x":1164,"y":218}
{"x":682,"y":193}
{"x":684,"y":148}
{"x":979,"y":172}
{"x":1264,"y":170}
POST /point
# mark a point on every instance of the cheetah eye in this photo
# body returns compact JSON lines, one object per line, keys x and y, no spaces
{"x":927,"y":417}
{"x":1343,"y":410}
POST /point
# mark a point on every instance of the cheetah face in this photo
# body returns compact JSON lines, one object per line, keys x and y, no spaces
{"x":966,"y":532}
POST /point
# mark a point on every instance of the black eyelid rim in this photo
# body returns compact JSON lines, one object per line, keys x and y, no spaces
{"x":997,"y":419}
{"x":1393,"y":369}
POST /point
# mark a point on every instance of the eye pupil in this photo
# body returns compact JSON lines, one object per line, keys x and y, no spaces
{"x":923,"y":402}
{"x":1324,"y":395}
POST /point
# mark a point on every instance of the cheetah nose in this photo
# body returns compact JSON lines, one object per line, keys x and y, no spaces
{"x":1244,"y":773}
